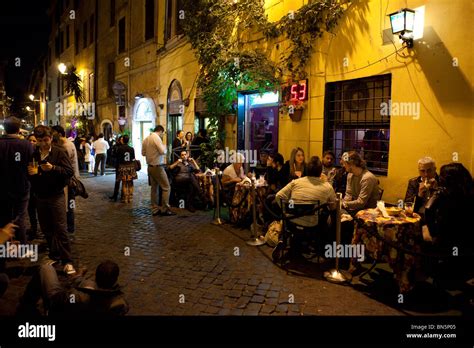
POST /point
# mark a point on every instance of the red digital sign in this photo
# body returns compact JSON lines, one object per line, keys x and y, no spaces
{"x":296,"y":91}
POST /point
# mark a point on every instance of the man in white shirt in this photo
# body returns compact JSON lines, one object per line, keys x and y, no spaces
{"x":100,"y":146}
{"x":234,"y":172}
{"x":155,"y":151}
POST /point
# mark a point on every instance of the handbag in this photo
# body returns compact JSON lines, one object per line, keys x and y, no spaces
{"x":77,"y":187}
{"x":138,"y":165}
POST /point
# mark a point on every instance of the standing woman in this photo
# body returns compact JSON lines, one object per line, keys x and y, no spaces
{"x":295,"y":167}
{"x":126,"y":171}
{"x":88,"y":157}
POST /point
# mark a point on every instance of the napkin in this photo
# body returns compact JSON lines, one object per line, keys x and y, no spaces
{"x":381,"y":207}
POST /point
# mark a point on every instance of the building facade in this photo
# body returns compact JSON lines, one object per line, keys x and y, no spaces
{"x":364,"y":91}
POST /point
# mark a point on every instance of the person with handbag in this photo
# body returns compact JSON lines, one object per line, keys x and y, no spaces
{"x":126,"y":168}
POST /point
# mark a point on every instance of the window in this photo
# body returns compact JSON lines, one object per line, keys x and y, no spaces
{"x":91,"y":25}
{"x":56,"y":47}
{"x":49,"y":90}
{"x":111,"y":78}
{"x":77,"y":42}
{"x":61,"y":42}
{"x":121,"y":35}
{"x":68,"y":42}
{"x":58,"y":86}
{"x":91,"y":87}
{"x":84,"y":35}
{"x":353,"y":119}
{"x":112,"y":13}
{"x":149,"y":19}
{"x":172,"y":21}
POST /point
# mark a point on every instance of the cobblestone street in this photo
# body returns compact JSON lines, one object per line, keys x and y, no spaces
{"x":184,"y":265}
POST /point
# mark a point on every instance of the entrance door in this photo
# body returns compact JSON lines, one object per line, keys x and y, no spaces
{"x":260,"y":122}
{"x":175,"y":123}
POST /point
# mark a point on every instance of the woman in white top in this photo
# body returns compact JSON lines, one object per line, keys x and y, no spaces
{"x":88,"y":157}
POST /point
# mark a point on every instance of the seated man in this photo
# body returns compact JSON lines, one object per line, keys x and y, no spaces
{"x":339,"y":182}
{"x":310,"y":189}
{"x":275,"y":174}
{"x":421,"y":188}
{"x":329,"y":170}
{"x":362,"y":191}
{"x":101,"y":297}
{"x":183,"y":175}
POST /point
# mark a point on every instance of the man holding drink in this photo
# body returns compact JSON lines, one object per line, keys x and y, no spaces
{"x":48,"y":181}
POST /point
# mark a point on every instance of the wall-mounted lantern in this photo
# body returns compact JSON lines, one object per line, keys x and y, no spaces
{"x":403,"y":23}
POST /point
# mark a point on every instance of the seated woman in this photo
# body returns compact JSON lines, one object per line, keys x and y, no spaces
{"x":275,"y":175}
{"x":295,"y":167}
{"x":445,"y":224}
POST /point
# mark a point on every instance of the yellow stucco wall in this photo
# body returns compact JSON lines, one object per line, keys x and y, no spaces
{"x":424,"y":74}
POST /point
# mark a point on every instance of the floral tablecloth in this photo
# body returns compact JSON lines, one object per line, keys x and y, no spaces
{"x":241,"y":213}
{"x":205,"y":181}
{"x":394,"y":231}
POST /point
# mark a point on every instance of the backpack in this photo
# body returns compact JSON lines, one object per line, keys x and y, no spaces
{"x":273,"y":234}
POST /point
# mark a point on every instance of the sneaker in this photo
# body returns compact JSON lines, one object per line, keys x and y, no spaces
{"x":168,"y":213}
{"x":69,"y":269}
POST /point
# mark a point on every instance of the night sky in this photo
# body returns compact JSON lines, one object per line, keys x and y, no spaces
{"x":24,"y":27}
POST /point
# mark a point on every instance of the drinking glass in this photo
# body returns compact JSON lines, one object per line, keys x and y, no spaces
{"x":409,"y":208}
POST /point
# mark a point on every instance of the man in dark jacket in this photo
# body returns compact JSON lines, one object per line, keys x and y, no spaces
{"x":48,"y":182}
{"x":101,"y":297}
{"x":15,"y":155}
{"x":421,"y":188}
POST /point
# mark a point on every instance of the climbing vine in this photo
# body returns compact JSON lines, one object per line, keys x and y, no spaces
{"x":215,"y":29}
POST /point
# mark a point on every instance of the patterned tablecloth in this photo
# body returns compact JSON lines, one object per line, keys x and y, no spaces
{"x":239,"y":213}
{"x":401,"y":230}
{"x":205,"y":181}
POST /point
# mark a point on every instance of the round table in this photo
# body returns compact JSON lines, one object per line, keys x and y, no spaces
{"x":238,"y":213}
{"x":392,"y":238}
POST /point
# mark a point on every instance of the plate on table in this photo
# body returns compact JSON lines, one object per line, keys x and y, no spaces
{"x":393,"y":211}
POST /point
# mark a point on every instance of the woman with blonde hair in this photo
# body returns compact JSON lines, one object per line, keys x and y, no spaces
{"x":295,"y":167}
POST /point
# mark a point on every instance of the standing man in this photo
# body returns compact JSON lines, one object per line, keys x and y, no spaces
{"x":421,"y":188}
{"x":60,"y":135}
{"x":15,"y":155}
{"x":155,"y":152}
{"x":178,"y":144}
{"x":100,"y":146}
{"x":48,"y":182}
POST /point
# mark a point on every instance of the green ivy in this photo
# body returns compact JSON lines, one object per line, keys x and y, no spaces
{"x":214,"y":29}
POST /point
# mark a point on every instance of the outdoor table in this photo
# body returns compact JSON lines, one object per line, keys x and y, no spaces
{"x":383,"y":235}
{"x":205,"y":182}
{"x":243,"y":196}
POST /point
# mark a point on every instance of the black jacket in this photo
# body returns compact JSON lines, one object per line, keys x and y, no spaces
{"x":52,"y":183}
{"x":124,"y":154}
{"x":15,"y":155}
{"x":412,"y":192}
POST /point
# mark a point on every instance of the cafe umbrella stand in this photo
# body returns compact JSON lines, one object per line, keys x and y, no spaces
{"x":255,"y":237}
{"x":336,"y":275}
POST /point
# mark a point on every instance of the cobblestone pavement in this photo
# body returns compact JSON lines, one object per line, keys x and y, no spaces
{"x":183,"y":265}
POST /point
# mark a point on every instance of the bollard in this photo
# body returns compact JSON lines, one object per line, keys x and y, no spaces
{"x":336,"y":275}
{"x":255,"y":237}
{"x":217,"y":210}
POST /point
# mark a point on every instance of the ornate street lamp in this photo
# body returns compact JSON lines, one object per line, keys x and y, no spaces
{"x":403,"y":23}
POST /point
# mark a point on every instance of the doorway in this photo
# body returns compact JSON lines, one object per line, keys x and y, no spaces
{"x":258,"y":122}
{"x":144,"y":116}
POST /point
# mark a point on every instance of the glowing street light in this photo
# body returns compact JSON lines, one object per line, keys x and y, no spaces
{"x":28,"y":108}
{"x":62,"y":68}
{"x":32,"y":97}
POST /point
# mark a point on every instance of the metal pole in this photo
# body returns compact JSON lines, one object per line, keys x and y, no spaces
{"x":217,"y":210}
{"x":255,"y":237}
{"x":336,"y":275}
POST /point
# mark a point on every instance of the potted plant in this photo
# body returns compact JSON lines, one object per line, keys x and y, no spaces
{"x":294,"y":109}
